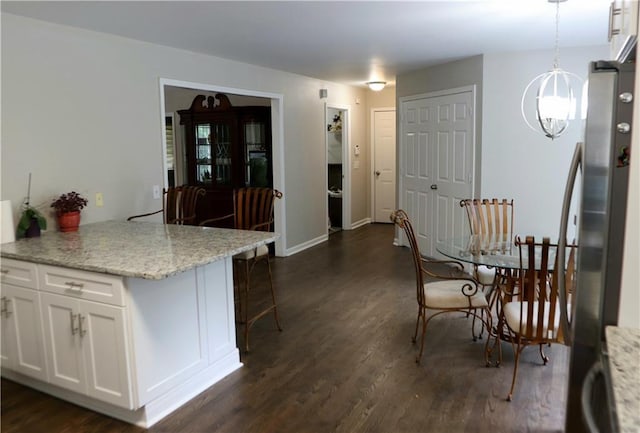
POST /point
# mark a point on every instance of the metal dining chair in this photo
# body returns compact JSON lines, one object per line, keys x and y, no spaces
{"x":531,"y":308}
{"x":449,"y":293}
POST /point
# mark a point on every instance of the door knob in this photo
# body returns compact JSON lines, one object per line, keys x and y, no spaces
{"x":377,"y":173}
{"x":434,"y":186}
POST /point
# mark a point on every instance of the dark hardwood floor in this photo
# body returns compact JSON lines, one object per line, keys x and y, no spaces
{"x":345,"y":362}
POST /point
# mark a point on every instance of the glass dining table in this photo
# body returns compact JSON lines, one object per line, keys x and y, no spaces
{"x":492,"y":251}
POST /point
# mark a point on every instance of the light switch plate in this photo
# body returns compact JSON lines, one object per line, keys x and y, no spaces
{"x":99,"y":199}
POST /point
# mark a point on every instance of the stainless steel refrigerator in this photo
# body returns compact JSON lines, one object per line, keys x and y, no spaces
{"x":604,"y":161}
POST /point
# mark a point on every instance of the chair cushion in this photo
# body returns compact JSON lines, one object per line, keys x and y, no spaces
{"x":511,"y":311}
{"x":448,"y":294}
{"x":485,"y":275}
{"x":248,"y":255}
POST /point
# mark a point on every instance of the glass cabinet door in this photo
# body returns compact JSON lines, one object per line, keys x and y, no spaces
{"x":213,"y":154}
{"x":255,"y":154}
{"x":203,"y":154}
{"x":221,"y":148}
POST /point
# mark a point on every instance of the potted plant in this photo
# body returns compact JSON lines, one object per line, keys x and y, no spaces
{"x":68,"y":207}
{"x":30,"y":223}
{"x":31,"y":220}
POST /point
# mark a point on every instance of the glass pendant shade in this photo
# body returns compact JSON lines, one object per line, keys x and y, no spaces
{"x":555,"y":103}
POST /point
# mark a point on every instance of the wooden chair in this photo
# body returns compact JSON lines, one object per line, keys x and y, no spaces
{"x":491,"y":220}
{"x":178,"y":205}
{"x":531,"y":308}
{"x":253,"y":210}
{"x":451,"y":293}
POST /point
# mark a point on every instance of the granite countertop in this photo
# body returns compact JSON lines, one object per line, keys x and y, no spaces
{"x":623,"y":347}
{"x":135,"y":249}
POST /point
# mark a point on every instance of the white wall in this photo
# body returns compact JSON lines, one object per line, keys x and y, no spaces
{"x":517,"y":162}
{"x":81,"y":110}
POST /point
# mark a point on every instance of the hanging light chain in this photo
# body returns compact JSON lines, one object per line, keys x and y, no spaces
{"x":557,"y":54}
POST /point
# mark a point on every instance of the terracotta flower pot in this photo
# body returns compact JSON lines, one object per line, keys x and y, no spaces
{"x":69,"y":221}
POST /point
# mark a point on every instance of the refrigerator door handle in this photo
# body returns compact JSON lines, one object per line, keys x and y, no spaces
{"x":576,"y":165}
{"x":586,"y":397}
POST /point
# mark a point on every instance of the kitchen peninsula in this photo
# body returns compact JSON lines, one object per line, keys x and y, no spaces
{"x":130,"y":319}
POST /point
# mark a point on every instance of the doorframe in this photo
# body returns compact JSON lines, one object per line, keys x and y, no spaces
{"x":277,"y":143}
{"x":399,"y":236}
{"x":373,"y":155}
{"x":346,"y":162}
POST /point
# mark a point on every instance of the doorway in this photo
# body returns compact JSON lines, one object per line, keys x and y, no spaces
{"x":275,"y":101}
{"x":383,"y":133}
{"x":337,"y":135}
{"x":437,"y":159}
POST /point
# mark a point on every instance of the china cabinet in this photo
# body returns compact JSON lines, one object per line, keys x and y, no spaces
{"x":226,"y":147}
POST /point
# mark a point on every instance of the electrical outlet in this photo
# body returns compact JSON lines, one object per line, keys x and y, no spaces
{"x":99,"y":199}
{"x":156,"y":191}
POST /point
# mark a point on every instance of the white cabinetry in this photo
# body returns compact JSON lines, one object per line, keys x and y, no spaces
{"x":22,"y":338}
{"x":86,"y":341}
{"x":22,"y":347}
{"x":132,"y":348}
{"x":87,"y":348}
{"x":623,"y":25}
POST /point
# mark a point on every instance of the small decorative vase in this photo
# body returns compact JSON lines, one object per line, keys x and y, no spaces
{"x":34,"y":229}
{"x":69,"y":221}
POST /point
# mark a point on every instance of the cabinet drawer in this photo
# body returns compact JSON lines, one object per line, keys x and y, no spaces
{"x":19,"y":273}
{"x":82,"y":284}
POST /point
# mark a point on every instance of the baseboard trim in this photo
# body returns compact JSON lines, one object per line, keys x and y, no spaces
{"x":305,"y":245}
{"x":362,"y":222}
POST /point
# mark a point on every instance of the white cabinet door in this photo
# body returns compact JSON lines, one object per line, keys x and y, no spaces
{"x":64,"y":359}
{"x":87,"y":348}
{"x":22,"y":336}
{"x":104,"y":345}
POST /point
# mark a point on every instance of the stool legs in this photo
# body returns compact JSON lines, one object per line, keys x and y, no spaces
{"x":244,"y":303}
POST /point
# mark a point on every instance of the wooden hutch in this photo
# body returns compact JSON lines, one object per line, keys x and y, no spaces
{"x":226,"y":147}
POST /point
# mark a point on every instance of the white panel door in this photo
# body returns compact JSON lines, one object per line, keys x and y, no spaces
{"x":22,"y":338}
{"x":103,"y":339}
{"x":384,"y":142}
{"x":61,"y":327}
{"x":437,"y":165}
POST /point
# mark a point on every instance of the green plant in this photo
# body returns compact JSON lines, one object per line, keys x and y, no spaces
{"x":29,"y":213}
{"x":69,"y":202}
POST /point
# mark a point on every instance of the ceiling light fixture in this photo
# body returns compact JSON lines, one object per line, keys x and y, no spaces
{"x":376,"y":86}
{"x":555,"y":103}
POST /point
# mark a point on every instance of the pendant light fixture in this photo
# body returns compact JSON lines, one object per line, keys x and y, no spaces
{"x":555,"y":102}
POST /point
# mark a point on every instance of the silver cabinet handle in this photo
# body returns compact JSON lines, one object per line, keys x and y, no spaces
{"x":74,"y":286}
{"x":613,"y":31}
{"x":74,"y":328}
{"x":434,"y":186}
{"x":82,"y":329}
{"x":5,"y":306}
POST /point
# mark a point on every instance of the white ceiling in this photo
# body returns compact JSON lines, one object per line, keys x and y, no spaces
{"x":350,"y":42}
